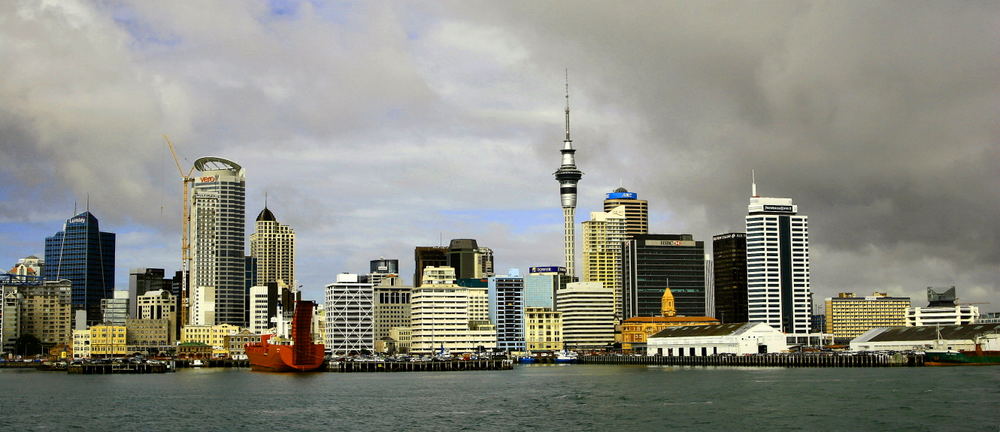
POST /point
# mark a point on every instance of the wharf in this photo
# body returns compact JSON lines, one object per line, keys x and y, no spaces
{"x":419,"y":366}
{"x":212,"y":363}
{"x":121,"y":368}
{"x":775,"y":360}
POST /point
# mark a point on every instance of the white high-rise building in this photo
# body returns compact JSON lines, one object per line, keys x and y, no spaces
{"x":588,"y":316}
{"x":272,"y":245}
{"x":709,"y":286}
{"x":218,"y":229}
{"x":445,"y":315}
{"x":778,"y":291}
{"x":349,"y":309}
{"x":603,"y":235}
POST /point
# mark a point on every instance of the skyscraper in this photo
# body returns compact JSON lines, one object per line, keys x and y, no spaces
{"x":730,"y":260}
{"x":272,"y":245}
{"x":568,"y":176}
{"x":652,"y":262}
{"x":603,"y":235}
{"x":778,"y":291}
{"x":542,"y":284}
{"x":85,"y":255}
{"x":427,"y":256}
{"x":382,"y":268}
{"x":218,"y":224}
{"x":636,"y":210}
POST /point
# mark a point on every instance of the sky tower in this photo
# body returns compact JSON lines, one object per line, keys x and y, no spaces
{"x":568,"y":176}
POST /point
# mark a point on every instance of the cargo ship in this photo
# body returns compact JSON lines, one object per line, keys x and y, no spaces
{"x":962,"y":358}
{"x":302,"y":356}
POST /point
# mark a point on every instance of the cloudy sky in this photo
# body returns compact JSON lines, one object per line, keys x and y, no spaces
{"x":374,"y":127}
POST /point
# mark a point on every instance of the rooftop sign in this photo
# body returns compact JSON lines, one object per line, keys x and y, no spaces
{"x":623,"y":195}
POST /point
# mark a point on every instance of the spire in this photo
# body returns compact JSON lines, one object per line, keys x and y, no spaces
{"x":567,"y":107}
{"x":753,"y":182}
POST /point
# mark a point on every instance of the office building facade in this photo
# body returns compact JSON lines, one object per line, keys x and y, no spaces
{"x":588,"y":315}
{"x":778,"y":281}
{"x":141,"y":281}
{"x":349,"y":309}
{"x":84,"y":255}
{"x":218,"y":223}
{"x":445,"y":316}
{"x":848,"y":316}
{"x":541,"y":285}
{"x":392,"y":307}
{"x":542,"y":329}
{"x":653,"y":262}
{"x":603,"y":235}
{"x":729,"y":260}
{"x":506,"y":302}
{"x":115,"y":310}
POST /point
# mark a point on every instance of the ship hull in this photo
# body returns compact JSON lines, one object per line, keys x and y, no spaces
{"x":962,"y":358}
{"x":278,"y":358}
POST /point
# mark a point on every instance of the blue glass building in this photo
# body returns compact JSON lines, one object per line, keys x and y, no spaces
{"x":86,"y":256}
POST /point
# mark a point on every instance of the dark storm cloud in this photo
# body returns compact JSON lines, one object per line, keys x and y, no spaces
{"x":368,"y":123}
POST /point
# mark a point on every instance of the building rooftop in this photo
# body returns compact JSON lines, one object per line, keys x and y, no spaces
{"x":704,"y":330}
{"x":923,"y":333}
{"x":266,"y":216}
{"x":672,"y":319}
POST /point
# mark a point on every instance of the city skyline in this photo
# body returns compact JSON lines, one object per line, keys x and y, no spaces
{"x":447,"y":126}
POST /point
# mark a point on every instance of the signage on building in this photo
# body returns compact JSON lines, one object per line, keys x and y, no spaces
{"x":670,"y":243}
{"x":778,"y":208}
{"x":623,"y":195}
{"x":207,"y":179}
{"x":550,"y":269}
{"x":78,"y":220}
{"x":729,"y":236}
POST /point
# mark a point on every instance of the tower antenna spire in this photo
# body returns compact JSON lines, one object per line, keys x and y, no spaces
{"x":567,"y":106}
{"x":265,"y":199}
{"x":753,"y":183}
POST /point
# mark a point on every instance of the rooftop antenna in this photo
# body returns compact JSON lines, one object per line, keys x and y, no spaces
{"x":265,"y":199}
{"x":74,"y":207}
{"x":567,"y":105}
{"x":88,"y":202}
{"x":753,"y":188}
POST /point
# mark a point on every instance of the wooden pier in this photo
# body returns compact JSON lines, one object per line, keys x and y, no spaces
{"x":772,"y":360}
{"x":212,"y":363}
{"x":419,"y":366}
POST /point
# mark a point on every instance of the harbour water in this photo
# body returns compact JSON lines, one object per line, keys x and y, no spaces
{"x":542,"y":397}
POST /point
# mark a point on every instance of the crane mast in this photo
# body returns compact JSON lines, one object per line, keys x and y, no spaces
{"x":186,"y":181}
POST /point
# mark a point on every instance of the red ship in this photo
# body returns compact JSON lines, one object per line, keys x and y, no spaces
{"x":302,"y":356}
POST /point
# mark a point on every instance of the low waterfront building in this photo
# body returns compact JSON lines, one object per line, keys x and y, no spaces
{"x":81,"y":344}
{"x":108,"y":340}
{"x":214,"y":335}
{"x":946,"y":337}
{"x":149,"y":336}
{"x":848,"y":316}
{"x":543,"y":329}
{"x":349,"y":315}
{"x":588,"y":315}
{"x":636,"y":330}
{"x":705,"y":340}
{"x":194,"y":350}
{"x":989,"y":318}
{"x":236,"y":343}
{"x":445,"y":315}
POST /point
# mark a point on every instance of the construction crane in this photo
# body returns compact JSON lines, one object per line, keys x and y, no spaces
{"x":187,"y":181}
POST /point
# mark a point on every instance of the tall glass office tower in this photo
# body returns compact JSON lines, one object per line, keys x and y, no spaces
{"x":85,"y":255}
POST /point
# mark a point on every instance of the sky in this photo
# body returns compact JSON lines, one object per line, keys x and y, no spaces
{"x":374,"y":127}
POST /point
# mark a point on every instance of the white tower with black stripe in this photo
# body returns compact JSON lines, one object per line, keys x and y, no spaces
{"x":568,"y":176}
